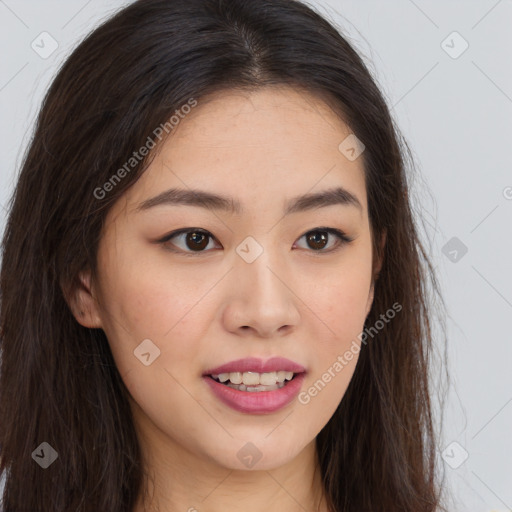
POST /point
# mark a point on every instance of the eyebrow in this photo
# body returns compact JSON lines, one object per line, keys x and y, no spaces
{"x":211,"y":201}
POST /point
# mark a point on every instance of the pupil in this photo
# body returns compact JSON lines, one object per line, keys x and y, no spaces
{"x":193,"y":236}
{"x":321,"y":239}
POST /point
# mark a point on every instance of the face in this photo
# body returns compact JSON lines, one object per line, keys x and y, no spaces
{"x":185,"y":287}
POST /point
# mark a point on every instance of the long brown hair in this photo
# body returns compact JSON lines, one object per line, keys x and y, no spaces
{"x":59,"y":383}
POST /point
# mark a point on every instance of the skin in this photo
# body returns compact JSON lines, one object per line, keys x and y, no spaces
{"x":204,"y":310}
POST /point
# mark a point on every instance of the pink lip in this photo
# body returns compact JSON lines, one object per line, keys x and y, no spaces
{"x":252,"y":364}
{"x":258,"y":402}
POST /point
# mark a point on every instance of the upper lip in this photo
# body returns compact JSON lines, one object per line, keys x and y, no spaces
{"x":253,"y":364}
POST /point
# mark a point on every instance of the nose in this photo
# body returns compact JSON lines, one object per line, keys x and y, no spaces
{"x":261,"y":299}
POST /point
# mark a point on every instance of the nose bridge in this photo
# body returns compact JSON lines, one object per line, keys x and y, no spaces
{"x":263,"y":300}
{"x":256,"y":265}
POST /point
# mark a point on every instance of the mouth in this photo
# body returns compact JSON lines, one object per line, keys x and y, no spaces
{"x":254,"y":382}
{"x":255,"y":386}
{"x":250,"y":395}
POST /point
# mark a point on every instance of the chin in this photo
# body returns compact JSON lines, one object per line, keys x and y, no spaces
{"x":257,"y":453}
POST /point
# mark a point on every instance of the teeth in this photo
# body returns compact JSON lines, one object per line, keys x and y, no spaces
{"x":235,"y":377}
{"x":243,"y":387}
{"x":281,"y":375}
{"x":253,"y":378}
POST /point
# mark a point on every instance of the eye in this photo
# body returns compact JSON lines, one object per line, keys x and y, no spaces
{"x":194,"y":240}
{"x":319,"y":238}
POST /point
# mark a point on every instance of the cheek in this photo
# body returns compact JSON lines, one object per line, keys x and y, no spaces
{"x":338,"y":299}
{"x":334,"y":349}
{"x":147,"y":297}
{"x":338,"y":296}
{"x":144,"y":302}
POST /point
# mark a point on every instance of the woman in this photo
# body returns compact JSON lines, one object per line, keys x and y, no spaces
{"x":213,"y":289}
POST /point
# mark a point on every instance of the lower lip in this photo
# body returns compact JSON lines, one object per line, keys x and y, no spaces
{"x":257,"y":402}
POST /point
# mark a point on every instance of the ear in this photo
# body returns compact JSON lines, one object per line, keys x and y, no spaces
{"x":370,"y":299}
{"x":378,"y":259}
{"x":83,"y":303}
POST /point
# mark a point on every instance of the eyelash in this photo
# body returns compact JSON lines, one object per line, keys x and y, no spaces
{"x":343,"y":239}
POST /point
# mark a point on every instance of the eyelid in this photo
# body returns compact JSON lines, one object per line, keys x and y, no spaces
{"x":343,"y":239}
{"x":177,"y":232}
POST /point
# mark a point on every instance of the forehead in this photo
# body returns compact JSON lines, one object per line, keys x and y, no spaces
{"x":241,"y":118}
{"x":256,"y":146}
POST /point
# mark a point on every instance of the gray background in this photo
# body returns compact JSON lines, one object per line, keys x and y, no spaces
{"x":455,"y":110}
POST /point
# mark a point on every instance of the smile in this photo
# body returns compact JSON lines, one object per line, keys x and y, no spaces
{"x":253,"y":381}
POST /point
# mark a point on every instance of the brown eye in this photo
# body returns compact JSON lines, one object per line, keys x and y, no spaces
{"x":188,"y":241}
{"x":196,"y":240}
{"x":317,"y":239}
